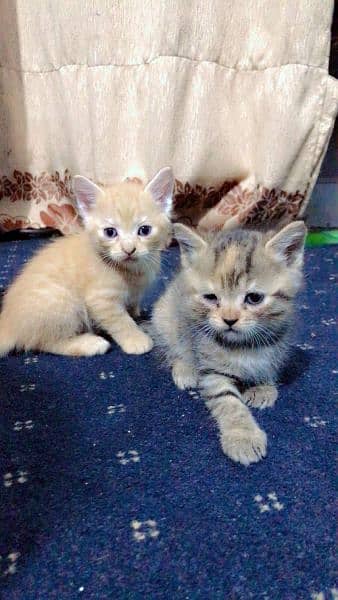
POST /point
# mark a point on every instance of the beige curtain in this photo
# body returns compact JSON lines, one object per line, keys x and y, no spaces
{"x":235,"y":96}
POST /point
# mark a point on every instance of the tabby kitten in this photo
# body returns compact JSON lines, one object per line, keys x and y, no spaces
{"x":224,"y":324}
{"x":97,"y":275}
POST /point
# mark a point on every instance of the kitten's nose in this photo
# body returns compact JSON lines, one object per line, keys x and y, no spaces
{"x":230,"y":322}
{"x":129,"y":252}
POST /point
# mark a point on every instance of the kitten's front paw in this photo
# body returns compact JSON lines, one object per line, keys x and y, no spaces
{"x":137,"y":343}
{"x":260,"y":396}
{"x":97,"y":346}
{"x":184,"y":375}
{"x":86,"y":344}
{"x":245,"y":446}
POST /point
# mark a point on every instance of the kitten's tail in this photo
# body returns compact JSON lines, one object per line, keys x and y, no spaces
{"x":7,"y":342}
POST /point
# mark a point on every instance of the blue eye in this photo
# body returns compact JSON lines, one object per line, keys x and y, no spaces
{"x":254,"y":298}
{"x":110,"y":232}
{"x":144,"y":230}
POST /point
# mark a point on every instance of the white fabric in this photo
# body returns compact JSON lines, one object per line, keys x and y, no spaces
{"x":219,"y":90}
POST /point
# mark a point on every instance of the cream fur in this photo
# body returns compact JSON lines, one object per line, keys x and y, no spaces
{"x":88,"y":277}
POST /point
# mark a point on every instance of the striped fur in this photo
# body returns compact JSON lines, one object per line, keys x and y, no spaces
{"x":239,"y":364}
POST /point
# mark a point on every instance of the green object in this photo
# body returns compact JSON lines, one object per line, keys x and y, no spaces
{"x":322,"y":238}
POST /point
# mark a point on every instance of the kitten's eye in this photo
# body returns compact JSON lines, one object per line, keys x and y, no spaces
{"x":254,"y":298}
{"x":144,"y":230}
{"x":210,"y":298}
{"x":110,"y":232}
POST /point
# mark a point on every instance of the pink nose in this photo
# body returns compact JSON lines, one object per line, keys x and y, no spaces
{"x":129,"y":252}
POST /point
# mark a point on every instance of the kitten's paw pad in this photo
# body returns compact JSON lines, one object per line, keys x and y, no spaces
{"x":139,"y":343}
{"x":260,"y":396}
{"x":245,"y":446}
{"x":91,"y":345}
{"x":184,"y":375}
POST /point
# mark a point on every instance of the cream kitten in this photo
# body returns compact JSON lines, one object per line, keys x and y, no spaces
{"x":224,"y":324}
{"x":97,"y":275}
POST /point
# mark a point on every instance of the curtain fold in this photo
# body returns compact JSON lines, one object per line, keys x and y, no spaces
{"x":235,"y":96}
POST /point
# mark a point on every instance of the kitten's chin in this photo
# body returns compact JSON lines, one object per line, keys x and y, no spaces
{"x":130,"y":260}
{"x":125,"y":261}
{"x":230,"y":335}
{"x":130,"y":264}
{"x":218,"y":329}
{"x":119,"y":262}
{"x":230,"y":338}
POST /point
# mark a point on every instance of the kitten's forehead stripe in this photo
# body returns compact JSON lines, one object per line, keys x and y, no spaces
{"x":234,"y":254}
{"x":222,"y":281}
{"x":248,"y":260}
{"x":239,"y":276}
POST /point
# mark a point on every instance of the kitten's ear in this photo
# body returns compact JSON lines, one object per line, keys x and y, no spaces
{"x":189,"y":241}
{"x":86,"y":193}
{"x":288,"y":244}
{"x":161,"y":188}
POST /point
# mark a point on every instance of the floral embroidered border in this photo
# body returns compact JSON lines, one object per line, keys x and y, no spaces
{"x":254,"y":206}
{"x":50,"y":197}
{"x":36,"y":188}
{"x":193,"y":201}
{"x":52,"y":204}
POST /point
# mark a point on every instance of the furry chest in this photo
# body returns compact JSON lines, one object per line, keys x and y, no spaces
{"x":249,"y":365}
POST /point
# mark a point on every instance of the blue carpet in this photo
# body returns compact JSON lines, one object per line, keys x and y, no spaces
{"x":113,"y":483}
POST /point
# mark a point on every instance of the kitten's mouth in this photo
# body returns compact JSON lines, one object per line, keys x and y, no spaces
{"x":232,"y":335}
{"x":228,"y":334}
{"x":130,"y":259}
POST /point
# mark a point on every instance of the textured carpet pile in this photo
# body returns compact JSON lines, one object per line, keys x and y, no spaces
{"x":113,"y":483}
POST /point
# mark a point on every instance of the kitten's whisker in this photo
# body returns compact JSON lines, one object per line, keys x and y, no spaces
{"x":267,"y":332}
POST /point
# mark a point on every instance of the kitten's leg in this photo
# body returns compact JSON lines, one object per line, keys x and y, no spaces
{"x":121,"y":327}
{"x":86,"y":344}
{"x":241,"y":437}
{"x":260,"y":396}
{"x":178,"y":351}
{"x":128,"y":335}
{"x":184,"y":373}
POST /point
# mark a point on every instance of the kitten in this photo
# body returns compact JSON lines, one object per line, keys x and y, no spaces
{"x":224,"y":324}
{"x":97,"y":275}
